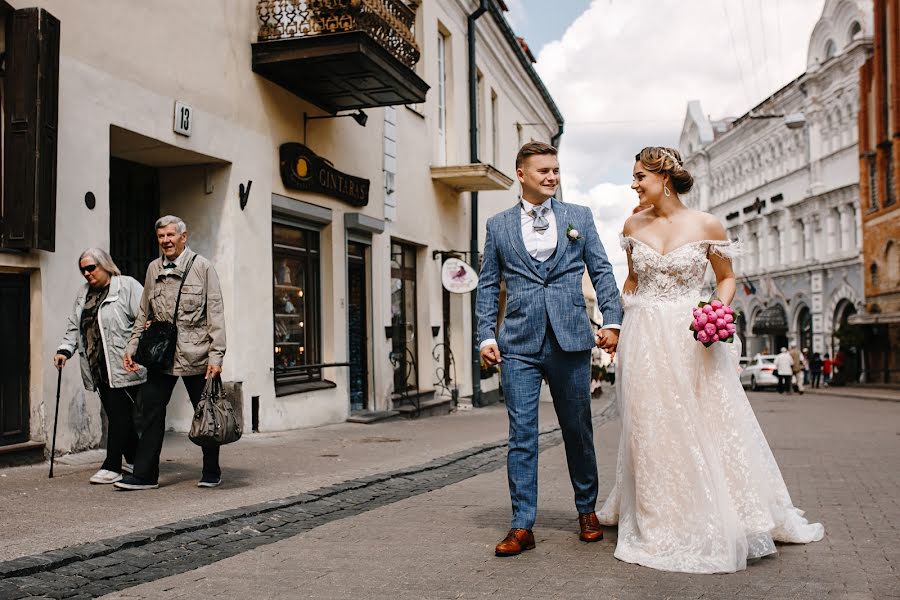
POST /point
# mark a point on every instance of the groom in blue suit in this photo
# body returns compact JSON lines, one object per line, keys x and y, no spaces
{"x":540,"y":248}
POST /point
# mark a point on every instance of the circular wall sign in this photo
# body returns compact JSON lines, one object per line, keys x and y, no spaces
{"x":458,"y":277}
{"x":90,"y":200}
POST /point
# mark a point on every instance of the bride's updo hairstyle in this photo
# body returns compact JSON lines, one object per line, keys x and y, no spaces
{"x":667,"y":161}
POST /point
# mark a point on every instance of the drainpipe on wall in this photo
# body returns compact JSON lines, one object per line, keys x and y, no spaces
{"x":473,"y":156}
{"x":554,"y":141}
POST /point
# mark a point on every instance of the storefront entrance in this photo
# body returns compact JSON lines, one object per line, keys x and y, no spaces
{"x":357,"y":325}
{"x":14,"y":359}
{"x":133,"y":210}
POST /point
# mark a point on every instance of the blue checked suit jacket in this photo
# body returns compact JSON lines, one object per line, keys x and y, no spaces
{"x":549,"y":291}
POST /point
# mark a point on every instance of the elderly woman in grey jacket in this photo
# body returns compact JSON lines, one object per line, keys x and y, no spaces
{"x":99,"y":328}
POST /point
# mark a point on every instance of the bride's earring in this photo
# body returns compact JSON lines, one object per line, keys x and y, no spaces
{"x":666,"y":191}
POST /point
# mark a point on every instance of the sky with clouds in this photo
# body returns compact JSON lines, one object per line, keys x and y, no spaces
{"x":623,"y":71}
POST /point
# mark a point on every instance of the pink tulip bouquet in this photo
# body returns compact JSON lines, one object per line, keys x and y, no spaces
{"x":713,"y":322}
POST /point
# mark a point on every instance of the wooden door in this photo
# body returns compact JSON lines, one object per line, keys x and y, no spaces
{"x":133,"y":211}
{"x":14,"y":359}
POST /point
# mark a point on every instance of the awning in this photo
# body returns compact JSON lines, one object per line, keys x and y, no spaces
{"x":874,"y":318}
{"x":772,"y":320}
{"x":477,"y":177}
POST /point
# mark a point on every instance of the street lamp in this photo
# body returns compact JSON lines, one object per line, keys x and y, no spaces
{"x":359,"y":116}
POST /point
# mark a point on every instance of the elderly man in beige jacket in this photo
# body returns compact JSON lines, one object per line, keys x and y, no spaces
{"x":198,"y":353}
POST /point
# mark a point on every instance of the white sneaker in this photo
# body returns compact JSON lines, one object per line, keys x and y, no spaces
{"x":104,"y":477}
{"x":128,"y":468}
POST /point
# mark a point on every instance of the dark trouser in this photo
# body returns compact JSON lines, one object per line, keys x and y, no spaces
{"x":121,"y":438}
{"x":568,"y":375}
{"x":784,"y":384}
{"x":155,"y":396}
{"x":816,"y":379}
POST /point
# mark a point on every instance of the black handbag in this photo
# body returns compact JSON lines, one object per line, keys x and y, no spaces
{"x":156,"y":346}
{"x":215,"y":423}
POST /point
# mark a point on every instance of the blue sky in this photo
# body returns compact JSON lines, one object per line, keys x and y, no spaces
{"x":538,"y":24}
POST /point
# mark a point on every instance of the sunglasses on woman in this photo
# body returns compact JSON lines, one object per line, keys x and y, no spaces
{"x":88,"y":268}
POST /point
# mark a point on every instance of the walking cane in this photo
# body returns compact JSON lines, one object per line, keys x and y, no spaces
{"x":55,"y":421}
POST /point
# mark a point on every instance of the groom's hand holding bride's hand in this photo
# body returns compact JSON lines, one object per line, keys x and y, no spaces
{"x":491,"y":354}
{"x":608,"y":339}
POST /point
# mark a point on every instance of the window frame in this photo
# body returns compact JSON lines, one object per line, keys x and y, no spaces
{"x":404,"y":272}
{"x":441,"y":55}
{"x":298,"y":378}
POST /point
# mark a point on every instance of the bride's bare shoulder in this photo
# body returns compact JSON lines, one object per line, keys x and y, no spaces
{"x":709,"y":226}
{"x":634,"y":222}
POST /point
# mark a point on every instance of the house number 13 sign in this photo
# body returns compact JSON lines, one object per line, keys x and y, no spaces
{"x":184,"y":118}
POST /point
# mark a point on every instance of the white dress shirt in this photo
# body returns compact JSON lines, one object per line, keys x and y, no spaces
{"x":540,"y":244}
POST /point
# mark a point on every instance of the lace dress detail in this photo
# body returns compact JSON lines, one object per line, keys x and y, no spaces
{"x":697,"y":488}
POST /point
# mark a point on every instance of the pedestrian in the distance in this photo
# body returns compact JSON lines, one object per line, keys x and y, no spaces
{"x":805,"y":358}
{"x":797,"y":367}
{"x":98,"y":328}
{"x":199,"y":350}
{"x":827,"y":367}
{"x":784,"y":369}
{"x":815,"y":369}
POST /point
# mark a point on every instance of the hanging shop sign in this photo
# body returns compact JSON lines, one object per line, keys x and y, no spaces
{"x":458,"y":277}
{"x":302,"y":169}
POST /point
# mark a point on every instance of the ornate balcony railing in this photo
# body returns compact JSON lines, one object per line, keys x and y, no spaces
{"x":389,"y":22}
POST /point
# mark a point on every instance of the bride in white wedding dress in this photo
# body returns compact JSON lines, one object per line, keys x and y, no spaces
{"x":697,"y":488}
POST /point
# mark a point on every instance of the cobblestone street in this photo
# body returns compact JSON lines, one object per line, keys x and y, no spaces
{"x":428,"y":531}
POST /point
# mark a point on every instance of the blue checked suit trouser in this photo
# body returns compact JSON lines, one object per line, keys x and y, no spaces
{"x":546,"y":334}
{"x":568,"y":375}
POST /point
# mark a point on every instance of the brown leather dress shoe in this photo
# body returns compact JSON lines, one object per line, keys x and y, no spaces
{"x":590,"y":527}
{"x":516,"y":542}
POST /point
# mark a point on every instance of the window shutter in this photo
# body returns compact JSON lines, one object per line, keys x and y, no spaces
{"x":31,"y":105}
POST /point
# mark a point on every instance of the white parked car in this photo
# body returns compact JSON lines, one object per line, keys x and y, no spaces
{"x":759,"y":372}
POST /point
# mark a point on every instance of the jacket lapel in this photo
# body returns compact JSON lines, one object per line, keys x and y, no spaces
{"x":514,"y":230}
{"x":562,"y":241}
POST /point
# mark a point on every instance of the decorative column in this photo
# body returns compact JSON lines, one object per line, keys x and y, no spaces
{"x":808,"y":243}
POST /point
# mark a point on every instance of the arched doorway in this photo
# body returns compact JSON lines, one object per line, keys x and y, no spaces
{"x":847,"y":341}
{"x":772,"y":323}
{"x":804,"y":328}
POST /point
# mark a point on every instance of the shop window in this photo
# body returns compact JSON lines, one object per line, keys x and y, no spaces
{"x":403,"y":317}
{"x":297,"y":306}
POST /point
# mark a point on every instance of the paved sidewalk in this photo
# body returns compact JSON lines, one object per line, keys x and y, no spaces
{"x":839,"y":456}
{"x":40,"y":514}
{"x":859,"y":391}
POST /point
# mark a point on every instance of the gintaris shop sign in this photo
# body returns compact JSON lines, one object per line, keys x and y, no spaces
{"x":302,"y":169}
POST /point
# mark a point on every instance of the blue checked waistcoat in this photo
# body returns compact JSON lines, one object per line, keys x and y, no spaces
{"x":538,"y":294}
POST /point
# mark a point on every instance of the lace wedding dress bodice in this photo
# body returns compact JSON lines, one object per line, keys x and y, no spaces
{"x":677,"y":274}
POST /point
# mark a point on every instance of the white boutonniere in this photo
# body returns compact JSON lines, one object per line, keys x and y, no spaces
{"x":572,"y":233}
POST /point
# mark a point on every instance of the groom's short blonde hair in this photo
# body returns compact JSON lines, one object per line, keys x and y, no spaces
{"x":533,"y":149}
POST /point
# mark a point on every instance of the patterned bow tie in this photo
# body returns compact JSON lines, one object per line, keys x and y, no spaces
{"x":540,"y":224}
{"x":169,"y":266}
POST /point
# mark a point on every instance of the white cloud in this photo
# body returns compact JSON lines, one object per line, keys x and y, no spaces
{"x":624,"y":71}
{"x":611,"y":205}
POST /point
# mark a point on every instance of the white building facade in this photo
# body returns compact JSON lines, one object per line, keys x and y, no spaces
{"x":329,"y":248}
{"x":784,"y":179}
